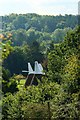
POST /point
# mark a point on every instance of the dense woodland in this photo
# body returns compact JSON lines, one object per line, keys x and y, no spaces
{"x":54,"y":41}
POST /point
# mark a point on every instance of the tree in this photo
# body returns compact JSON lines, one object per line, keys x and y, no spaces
{"x":19,"y":37}
{"x":19,"y":22}
{"x":7,"y":85}
{"x":66,"y":102}
{"x":55,"y":64}
{"x":59,"y":34}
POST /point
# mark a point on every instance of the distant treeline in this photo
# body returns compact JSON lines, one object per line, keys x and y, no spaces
{"x":26,"y":28}
{"x":41,"y":23}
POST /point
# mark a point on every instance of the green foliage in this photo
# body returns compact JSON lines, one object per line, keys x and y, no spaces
{"x":30,"y":27}
{"x":18,"y":37}
{"x":15,"y":59}
{"x":5,"y":44}
{"x":9,"y":86}
{"x":63,"y":64}
{"x":29,"y":103}
{"x":5,"y":74}
{"x":18,"y":59}
{"x":22,"y":109}
{"x":6,"y":49}
{"x":70,"y":75}
{"x":61,"y":85}
{"x":19,"y":22}
{"x":55,"y":64}
{"x":40,"y":23}
{"x":6,"y":104}
{"x":65,"y":106}
{"x":59,"y":34}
